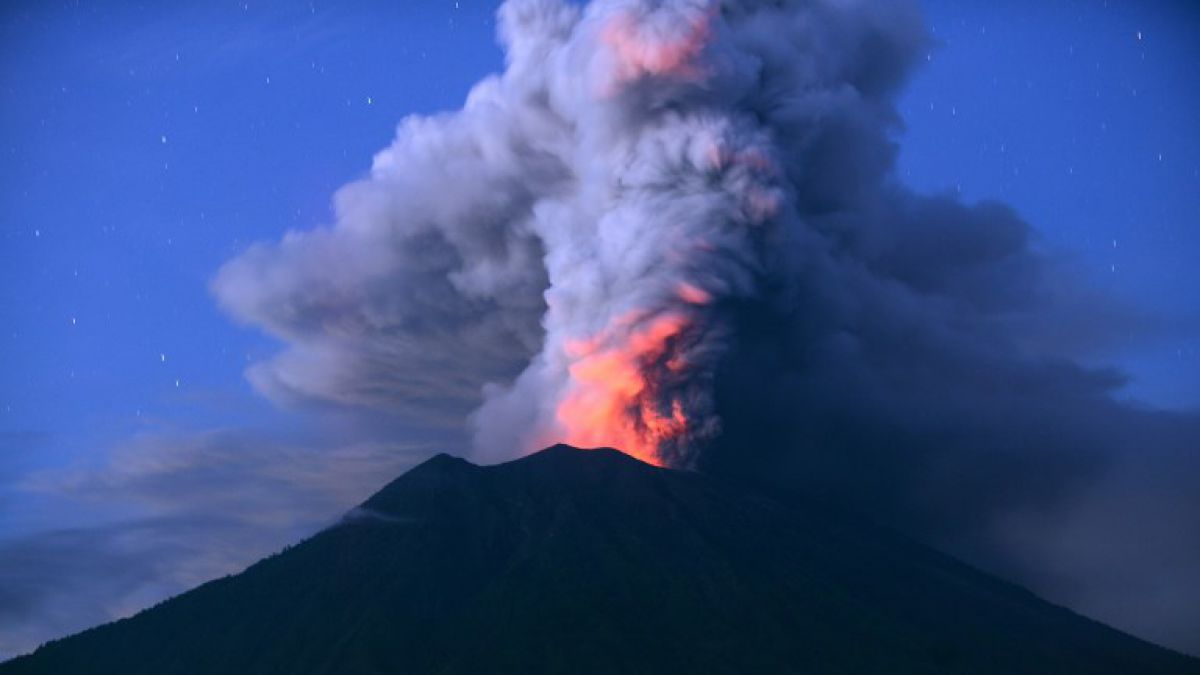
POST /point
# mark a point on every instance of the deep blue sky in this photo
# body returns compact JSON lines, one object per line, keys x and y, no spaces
{"x":143,"y":146}
{"x":1081,"y":115}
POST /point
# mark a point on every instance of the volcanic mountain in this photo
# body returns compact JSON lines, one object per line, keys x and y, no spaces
{"x":590,"y":561}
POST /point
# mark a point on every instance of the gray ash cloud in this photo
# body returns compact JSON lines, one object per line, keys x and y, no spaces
{"x":704,"y":193}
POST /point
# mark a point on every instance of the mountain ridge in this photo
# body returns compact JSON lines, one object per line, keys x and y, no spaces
{"x":573,"y":560}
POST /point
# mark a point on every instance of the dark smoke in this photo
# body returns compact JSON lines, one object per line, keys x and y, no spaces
{"x":696,"y":200}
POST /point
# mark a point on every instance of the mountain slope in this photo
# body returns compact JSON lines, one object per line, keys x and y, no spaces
{"x":590,"y":561}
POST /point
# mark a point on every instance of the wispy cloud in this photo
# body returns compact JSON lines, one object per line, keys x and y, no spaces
{"x":166,"y":512}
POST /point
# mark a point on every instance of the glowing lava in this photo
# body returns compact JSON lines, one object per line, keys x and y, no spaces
{"x":617,"y":396}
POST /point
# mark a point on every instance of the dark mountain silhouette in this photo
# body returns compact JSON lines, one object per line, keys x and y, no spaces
{"x":590,"y":561}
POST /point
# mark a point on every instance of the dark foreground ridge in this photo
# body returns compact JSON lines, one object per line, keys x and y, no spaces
{"x":578,"y":561}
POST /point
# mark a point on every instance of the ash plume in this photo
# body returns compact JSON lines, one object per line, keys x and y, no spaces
{"x":673,"y":227}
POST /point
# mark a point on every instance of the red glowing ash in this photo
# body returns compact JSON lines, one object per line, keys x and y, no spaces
{"x":616,"y":397}
{"x":693,"y":294}
{"x":640,"y":51}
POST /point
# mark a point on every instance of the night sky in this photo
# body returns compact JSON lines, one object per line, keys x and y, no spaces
{"x":144,"y":147}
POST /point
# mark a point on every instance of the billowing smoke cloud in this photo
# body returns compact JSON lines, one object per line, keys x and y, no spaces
{"x":672,"y":226}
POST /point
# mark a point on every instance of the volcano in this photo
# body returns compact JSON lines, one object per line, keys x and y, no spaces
{"x":592,"y":561}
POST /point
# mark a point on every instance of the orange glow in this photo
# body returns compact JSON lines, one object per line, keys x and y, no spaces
{"x":639,"y":53}
{"x":614,"y":399}
{"x":693,"y":294}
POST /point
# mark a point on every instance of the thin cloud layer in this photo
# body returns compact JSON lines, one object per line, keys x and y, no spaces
{"x":169,"y":512}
